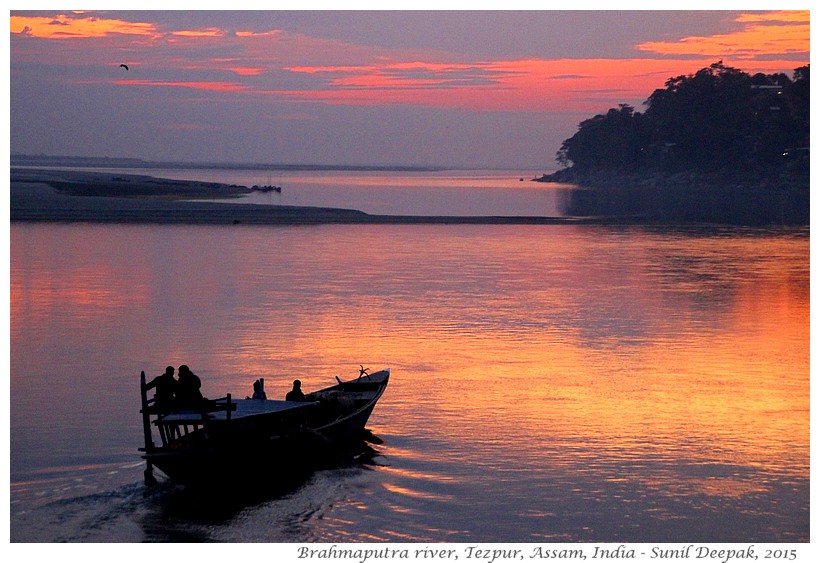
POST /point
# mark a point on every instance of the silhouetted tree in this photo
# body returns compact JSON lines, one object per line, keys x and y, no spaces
{"x":702,"y":119}
{"x":611,"y":141}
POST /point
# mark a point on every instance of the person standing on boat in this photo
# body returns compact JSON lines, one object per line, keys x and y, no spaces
{"x":295,"y":394}
{"x":166,"y":387}
{"x":188,"y":384}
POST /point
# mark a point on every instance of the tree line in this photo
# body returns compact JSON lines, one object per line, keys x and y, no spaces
{"x":717,"y":120}
{"x":717,"y":146}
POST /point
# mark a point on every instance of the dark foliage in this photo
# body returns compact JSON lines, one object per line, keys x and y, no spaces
{"x":717,"y":137}
{"x":717,"y":119}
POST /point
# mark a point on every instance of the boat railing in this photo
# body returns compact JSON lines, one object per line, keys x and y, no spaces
{"x":173,"y":424}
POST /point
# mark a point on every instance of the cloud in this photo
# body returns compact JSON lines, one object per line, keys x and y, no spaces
{"x":405,"y":75}
{"x":184,"y":126}
{"x":532,"y":85}
{"x":209,"y":32}
{"x":796,"y":16}
{"x":775,"y":33}
{"x":309,"y":76}
{"x":246,"y":71}
{"x":211,"y":86}
{"x":299,"y":67}
{"x":76,"y":26}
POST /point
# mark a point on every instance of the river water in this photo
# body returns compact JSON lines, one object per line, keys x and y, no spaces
{"x":549,"y":383}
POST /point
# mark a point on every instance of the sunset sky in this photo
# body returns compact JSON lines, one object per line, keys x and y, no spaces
{"x":445,"y":88}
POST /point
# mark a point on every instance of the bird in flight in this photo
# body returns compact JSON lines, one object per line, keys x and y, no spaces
{"x":124,"y":66}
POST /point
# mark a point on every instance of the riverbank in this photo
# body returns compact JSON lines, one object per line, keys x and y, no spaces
{"x":744,"y":197}
{"x":794,"y":177}
{"x":49,"y":195}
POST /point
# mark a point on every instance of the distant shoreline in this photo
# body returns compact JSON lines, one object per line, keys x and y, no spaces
{"x":43,"y":161}
{"x":47,"y":195}
{"x":739,"y":197}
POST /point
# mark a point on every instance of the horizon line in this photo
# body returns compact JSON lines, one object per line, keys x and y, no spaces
{"x":135,"y":162}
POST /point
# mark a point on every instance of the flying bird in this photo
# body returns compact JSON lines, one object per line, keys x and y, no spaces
{"x":124,"y":66}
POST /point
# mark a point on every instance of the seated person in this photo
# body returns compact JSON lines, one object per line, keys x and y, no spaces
{"x":259,"y":390}
{"x":188,"y":384}
{"x":295,"y":394}
{"x":165,"y":385}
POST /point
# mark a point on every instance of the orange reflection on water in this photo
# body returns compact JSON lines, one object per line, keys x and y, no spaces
{"x":710,"y":367}
{"x":79,"y":288}
{"x":407,"y":492}
{"x":426,"y":476}
{"x":732,"y":488}
{"x":663,"y":361}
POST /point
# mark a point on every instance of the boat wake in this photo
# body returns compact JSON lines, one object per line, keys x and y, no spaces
{"x":272,"y":511}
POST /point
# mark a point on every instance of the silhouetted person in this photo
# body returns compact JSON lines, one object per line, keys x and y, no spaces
{"x":166,"y":387}
{"x":259,"y":390}
{"x":188,"y":384}
{"x":295,"y":394}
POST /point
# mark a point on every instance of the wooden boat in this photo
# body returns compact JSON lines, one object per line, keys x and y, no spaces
{"x":229,"y":440}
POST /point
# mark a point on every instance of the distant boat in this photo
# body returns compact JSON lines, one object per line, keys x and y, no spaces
{"x":231,"y":441}
{"x":277,"y":189}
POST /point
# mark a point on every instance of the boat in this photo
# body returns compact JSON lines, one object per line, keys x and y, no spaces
{"x":231,"y":441}
{"x":267,"y":188}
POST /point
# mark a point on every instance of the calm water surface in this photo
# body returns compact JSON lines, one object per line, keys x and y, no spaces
{"x":551,"y":383}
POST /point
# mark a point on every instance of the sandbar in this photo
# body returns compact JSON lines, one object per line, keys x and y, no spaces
{"x":53,"y":195}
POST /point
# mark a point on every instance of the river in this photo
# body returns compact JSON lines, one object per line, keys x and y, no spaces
{"x":549,"y":383}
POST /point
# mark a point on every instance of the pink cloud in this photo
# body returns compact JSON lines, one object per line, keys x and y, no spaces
{"x":522,"y":85}
{"x":298,"y":67}
{"x":201,"y":85}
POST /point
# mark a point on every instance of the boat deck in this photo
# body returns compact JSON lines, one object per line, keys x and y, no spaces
{"x":244,"y":408}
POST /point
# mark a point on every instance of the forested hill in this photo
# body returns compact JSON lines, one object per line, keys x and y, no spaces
{"x":719,"y":130}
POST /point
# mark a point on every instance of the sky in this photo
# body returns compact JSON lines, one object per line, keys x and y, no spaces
{"x":450,"y":88}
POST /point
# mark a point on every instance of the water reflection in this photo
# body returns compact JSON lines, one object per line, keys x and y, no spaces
{"x":558,"y":383}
